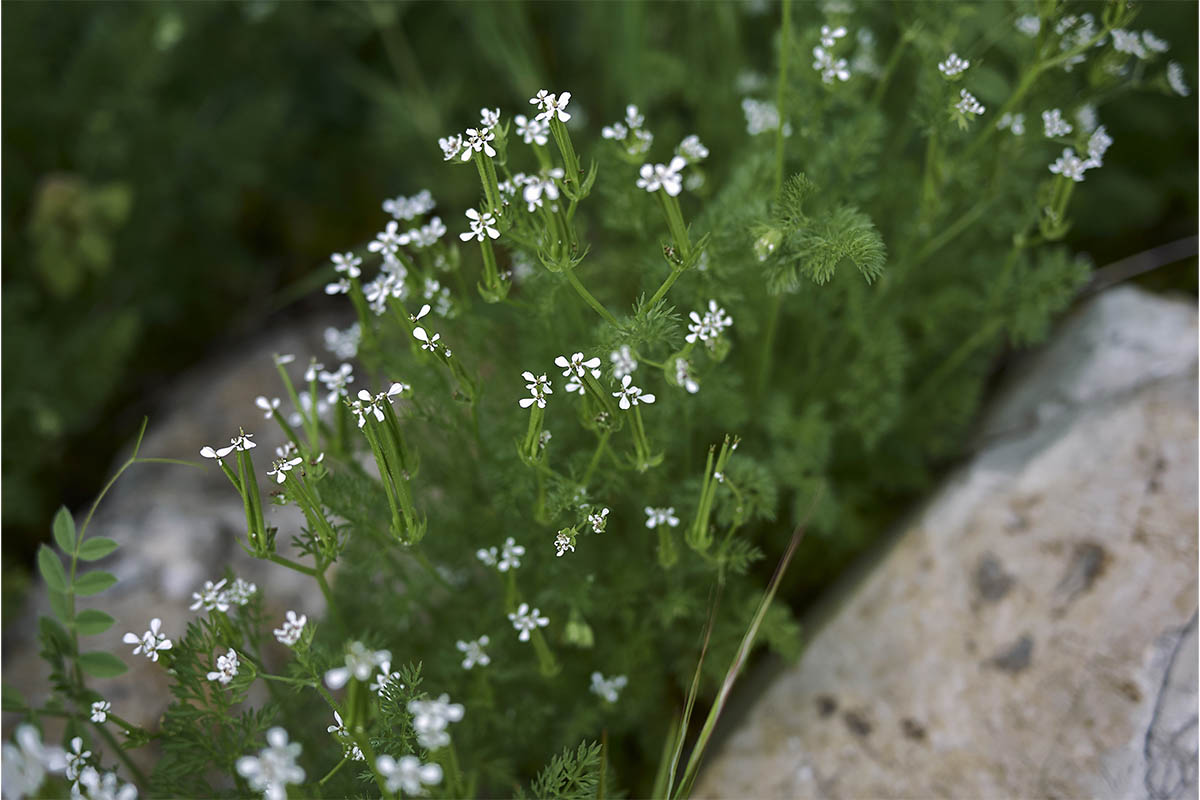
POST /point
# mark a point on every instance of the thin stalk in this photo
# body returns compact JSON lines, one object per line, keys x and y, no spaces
{"x":785,"y":36}
{"x":582,"y":291}
{"x":666,"y":286}
{"x":139,"y":777}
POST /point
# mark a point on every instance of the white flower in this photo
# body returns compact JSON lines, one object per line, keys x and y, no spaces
{"x":150,"y":642}
{"x":683,"y":376}
{"x":953,"y":65}
{"x":100,"y":710}
{"x":75,"y":758}
{"x":27,"y":762}
{"x":473,"y":652}
{"x":479,"y":141}
{"x":428,"y":234}
{"x":274,"y":767}
{"x":634,"y":118}
{"x":488,"y":556}
{"x":266,"y":405}
{"x":1176,"y":80}
{"x":967,"y":104}
{"x":829,"y":67}
{"x":338,"y":729}
{"x":623,"y":362}
{"x":1128,"y":42}
{"x":286,"y":358}
{"x":385,"y":678}
{"x":692,"y":149}
{"x":525,"y":620}
{"x":241,"y":591}
{"x":532,"y":131}
{"x":343,"y":344}
{"x":407,"y":775}
{"x":489,"y":117}
{"x":430,"y":718}
{"x":1098,"y":144}
{"x":510,"y":555}
{"x":1054,"y":124}
{"x":407,"y":208}
{"x":538,"y":388}
{"x":661,"y":516}
{"x":280,"y":467}
{"x":761,"y":116}
{"x":227,"y":668}
{"x":664,"y":176}
{"x":710,"y":326}
{"x":1069,"y":165}
{"x":208,"y":452}
{"x":537,"y":186}
{"x":389,"y":240}
{"x":347,"y":263}
{"x":639,"y":143}
{"x":576,"y":368}
{"x":451,"y":146}
{"x":102,"y":787}
{"x":562,"y":543}
{"x":631,"y":395}
{"x":335,"y":382}
{"x":360,"y":663}
{"x":551,"y":106}
{"x":292,"y":628}
{"x":481,"y":225}
{"x":243,"y":441}
{"x":617,"y":132}
{"x":608,"y":688}
{"x":211,"y":596}
{"x":314,"y":368}
{"x":1155,"y":44}
{"x":598,"y":520}
{"x":829,"y":36}
{"x":1029,"y":24}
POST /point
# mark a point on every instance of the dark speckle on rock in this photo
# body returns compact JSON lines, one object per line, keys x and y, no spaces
{"x":826,"y":705}
{"x":1015,"y":657}
{"x":991,"y":581}
{"x":913,"y":729}
{"x":857,"y":722}
{"x":1087,"y":562}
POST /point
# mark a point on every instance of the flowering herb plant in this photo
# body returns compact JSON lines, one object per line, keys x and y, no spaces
{"x":571,"y":421}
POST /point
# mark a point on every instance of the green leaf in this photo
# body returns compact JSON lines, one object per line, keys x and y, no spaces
{"x":102,"y":665}
{"x":92,"y":621}
{"x":64,"y":530}
{"x":94,"y":583}
{"x":11,"y":699}
{"x":60,"y":606}
{"x":96,"y":549}
{"x":51,"y":569}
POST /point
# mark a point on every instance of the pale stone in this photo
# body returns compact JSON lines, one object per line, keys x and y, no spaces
{"x":1032,"y":633}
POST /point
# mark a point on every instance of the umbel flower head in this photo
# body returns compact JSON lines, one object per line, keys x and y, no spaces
{"x":525,"y":620}
{"x":274,"y":767}
{"x":538,"y":387}
{"x":293,"y":626}
{"x":430,"y":719}
{"x":408,"y":775}
{"x":608,"y":688}
{"x":551,"y":106}
{"x":360,"y":664}
{"x":227,"y":668}
{"x":150,"y":642}
{"x":667,"y":177}
{"x":631,"y":395}
{"x":473,"y":652}
{"x":338,"y":729}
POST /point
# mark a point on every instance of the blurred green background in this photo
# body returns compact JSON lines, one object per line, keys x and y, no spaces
{"x":174,"y":172}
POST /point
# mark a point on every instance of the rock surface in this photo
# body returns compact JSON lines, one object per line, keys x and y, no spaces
{"x":1032,"y":633}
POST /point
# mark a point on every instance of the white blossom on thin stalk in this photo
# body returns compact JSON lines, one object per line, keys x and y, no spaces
{"x":338,"y":729}
{"x":762,"y":116}
{"x":343,"y":344}
{"x":551,"y":105}
{"x":280,"y":467}
{"x":489,"y":556}
{"x":385,"y":678}
{"x":683,"y":376}
{"x":692,"y":149}
{"x":227,"y":668}
{"x":1097,"y":146}
{"x":489,"y":117}
{"x":710,"y":326}
{"x":408,"y":208}
{"x":389,"y":240}
{"x":830,"y":68}
{"x":408,"y":775}
{"x":212,"y":596}
{"x":240,"y":592}
{"x":667,"y":177}
{"x":953,"y":65}
{"x":968,"y":105}
{"x":274,"y":767}
{"x":829,"y":36}
{"x":150,"y":642}
{"x":623,"y":362}
{"x":510,"y":555}
{"x":1029,"y":24}
{"x":430,"y":719}
{"x":268,"y":406}
{"x":293,"y":627}
{"x":107,"y":786}
{"x":532,"y":131}
{"x":576,"y":368}
{"x":661,"y":516}
{"x":479,"y":141}
{"x":481,"y":225}
{"x":346,"y":264}
{"x":598,"y":520}
{"x":336,"y":382}
{"x":1155,"y":44}
{"x":562,"y":543}
{"x":360,"y":664}
{"x":76,"y":759}
{"x":473,"y":652}
{"x":526,"y":620}
{"x":1128,"y":42}
{"x":1054,"y":124}
{"x":100,"y":711}
{"x":1012,"y":122}
{"x":451,"y":146}
{"x":608,"y":688}
{"x":538,"y":387}
{"x":1069,"y":165}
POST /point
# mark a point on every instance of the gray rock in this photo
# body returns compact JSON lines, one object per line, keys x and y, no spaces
{"x":1032,"y":633}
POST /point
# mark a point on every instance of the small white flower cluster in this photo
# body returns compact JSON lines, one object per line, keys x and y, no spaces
{"x":598,"y":520}
{"x":473,"y":652}
{"x":762,"y":116}
{"x":1140,"y":46}
{"x":1012,"y":122}
{"x":347,"y":265}
{"x":274,"y":767}
{"x":683,"y":376}
{"x":475,"y":140}
{"x":509,"y":556}
{"x":386,"y":677}
{"x":431,"y":343}
{"x":608,"y":688}
{"x":367,"y":404}
{"x":538,"y":386}
{"x":708,"y":328}
{"x":623,"y":362}
{"x":107,"y":786}
{"x":953,"y":65}
{"x":1176,"y":79}
{"x":630,"y":133}
{"x":864,"y":61}
{"x":532,"y":131}
{"x":630,"y":395}
{"x":243,"y":441}
{"x":1028,"y":24}
{"x":76,"y":760}
{"x":293,"y":627}
{"x":408,"y":208}
{"x":343,"y":344}
{"x":407,"y":775}
{"x":526,"y":620}
{"x":360,"y":664}
{"x":661,"y":516}
{"x":336,"y":383}
{"x":823,"y":59}
{"x":692,"y":149}
{"x":575,"y":369}
{"x":535,"y":189}
{"x":338,"y":729}
{"x":563,"y":542}
{"x":151,"y":642}
{"x":1072,"y":166}
{"x":100,"y":711}
{"x":281,"y":466}
{"x":430,"y":719}
{"x":968,"y":105}
{"x":227,"y":668}
{"x":667,"y":177}
{"x":481,"y":225}
{"x":1054,"y":124}
{"x":551,"y":106}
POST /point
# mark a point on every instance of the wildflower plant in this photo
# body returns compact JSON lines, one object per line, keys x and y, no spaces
{"x":569,"y":441}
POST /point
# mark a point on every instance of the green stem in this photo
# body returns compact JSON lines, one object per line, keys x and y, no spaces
{"x":582,"y":291}
{"x":139,"y":777}
{"x":591,"y":467}
{"x":785,"y":35}
{"x":768,"y":346}
{"x":333,"y":771}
